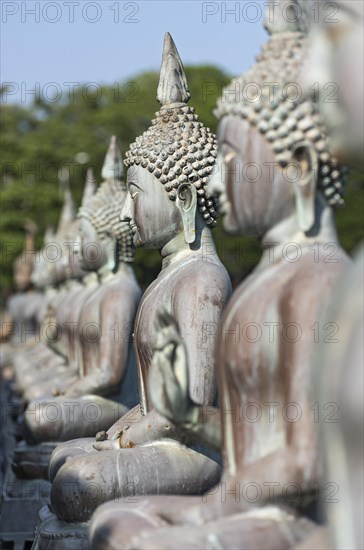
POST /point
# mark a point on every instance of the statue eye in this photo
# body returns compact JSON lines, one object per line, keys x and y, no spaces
{"x":133,"y":195}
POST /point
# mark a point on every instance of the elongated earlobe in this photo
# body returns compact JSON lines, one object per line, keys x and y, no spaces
{"x":187,"y":203}
{"x":306,"y":160}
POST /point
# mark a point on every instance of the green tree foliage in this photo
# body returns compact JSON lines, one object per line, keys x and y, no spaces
{"x":38,"y":140}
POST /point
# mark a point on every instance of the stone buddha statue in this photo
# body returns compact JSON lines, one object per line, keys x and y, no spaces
{"x":168,"y":208}
{"x":104,"y":361}
{"x":338,"y":370}
{"x":279,"y":180}
{"x":40,"y":275}
{"x":22,"y":305}
{"x":48,"y":361}
{"x":19,"y":330}
{"x":57,"y":329}
{"x":24,"y":358}
{"x":49,"y":272}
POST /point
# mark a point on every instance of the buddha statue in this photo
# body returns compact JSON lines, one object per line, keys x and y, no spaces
{"x":57,"y":329}
{"x":51,"y":360}
{"x":22,"y":498}
{"x":105,"y":364}
{"x":168,"y":209}
{"x":20,"y":317}
{"x":265,"y":424}
{"x":339,"y":381}
{"x":22,"y":306}
{"x":40,"y":275}
{"x":338,"y":370}
{"x":49,"y":272}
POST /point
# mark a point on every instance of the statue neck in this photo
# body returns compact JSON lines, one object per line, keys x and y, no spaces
{"x":124,"y":269}
{"x":105,"y":273}
{"x":289,"y":231}
{"x":90,"y":279}
{"x":72,"y":283}
{"x":177,"y":248}
{"x":50,"y":290}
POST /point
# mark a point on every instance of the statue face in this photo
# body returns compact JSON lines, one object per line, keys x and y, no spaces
{"x":154,"y":219}
{"x":253,"y":192}
{"x":92,"y":250}
{"x":336,"y":63}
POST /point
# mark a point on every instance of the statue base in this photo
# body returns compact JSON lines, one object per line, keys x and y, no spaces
{"x":53,"y":534}
{"x":21,"y":502}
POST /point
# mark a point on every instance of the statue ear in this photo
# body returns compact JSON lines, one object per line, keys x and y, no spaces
{"x":187,"y":203}
{"x":305,"y":157}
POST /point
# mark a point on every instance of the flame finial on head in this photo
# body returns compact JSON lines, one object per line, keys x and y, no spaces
{"x":172,"y":87}
{"x":113,"y":164}
{"x":90,"y":186}
{"x":68,"y":213}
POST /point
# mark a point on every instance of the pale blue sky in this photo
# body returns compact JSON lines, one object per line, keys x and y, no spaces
{"x":109,"y":50}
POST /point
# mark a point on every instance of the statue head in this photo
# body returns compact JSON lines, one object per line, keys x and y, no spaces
{"x":336,"y":64}
{"x":274,"y":156}
{"x":68,"y":266}
{"x":55,"y":263}
{"x":169,"y":166}
{"x":104,"y":239}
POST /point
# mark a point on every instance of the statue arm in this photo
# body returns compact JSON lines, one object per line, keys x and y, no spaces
{"x":297,"y":460}
{"x":203,"y":425}
{"x":302,"y":305}
{"x":169,"y":387}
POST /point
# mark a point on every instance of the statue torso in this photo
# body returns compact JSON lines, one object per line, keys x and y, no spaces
{"x":111,"y":308}
{"x":261,"y":325}
{"x":194,"y":290}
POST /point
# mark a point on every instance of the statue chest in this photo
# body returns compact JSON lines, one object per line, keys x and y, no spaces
{"x":156,"y":296}
{"x":251,"y":333}
{"x":249,"y":368}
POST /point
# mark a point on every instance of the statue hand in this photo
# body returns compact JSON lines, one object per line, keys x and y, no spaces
{"x":58,"y":389}
{"x":168,"y":379}
{"x":102,"y":442}
{"x":108,"y":445}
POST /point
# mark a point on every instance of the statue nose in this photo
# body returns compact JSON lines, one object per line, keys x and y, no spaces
{"x":126,"y":214}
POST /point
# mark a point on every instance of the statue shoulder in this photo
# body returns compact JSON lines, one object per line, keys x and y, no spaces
{"x":315,"y":274}
{"x":206,"y":272}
